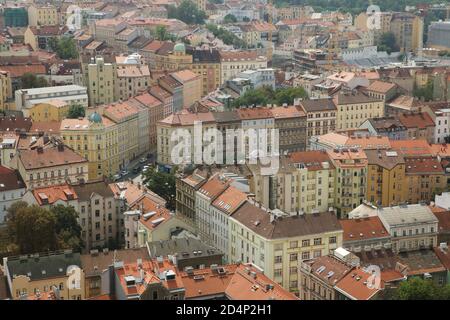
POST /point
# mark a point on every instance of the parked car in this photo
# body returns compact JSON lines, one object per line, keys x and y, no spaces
{"x":136,"y":169}
{"x":124,"y":172}
{"x":143,"y":160}
{"x":117,"y":177}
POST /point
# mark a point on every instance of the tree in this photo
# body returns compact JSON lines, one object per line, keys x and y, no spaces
{"x":246,"y":19}
{"x":187,"y":12}
{"x":34,"y":229}
{"x":67,"y":227}
{"x":226,"y":36}
{"x":420,"y":289}
{"x":388,"y":43}
{"x":229,"y":18}
{"x":289,"y":94}
{"x":163,"y":184}
{"x":30,"y":80}
{"x":66,"y":48}
{"x":426,"y":92}
{"x":76,"y":111}
{"x":160,"y":33}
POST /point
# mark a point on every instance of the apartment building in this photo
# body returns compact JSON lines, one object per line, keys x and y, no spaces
{"x":41,"y":273}
{"x":277,"y":244}
{"x":5,"y":90}
{"x":418,"y":126}
{"x":408,"y":31}
{"x":132,"y":79}
{"x":71,"y":94}
{"x":382,"y":90}
{"x":204,"y":197}
{"x":175,"y":88}
{"x":186,"y":188}
{"x":411,"y":227}
{"x":386,"y":179}
{"x":206,"y":64}
{"x":50,"y":165}
{"x":128,"y":121}
{"x":99,"y":213}
{"x":320,"y":117}
{"x":291,"y":125}
{"x":155,"y":108}
{"x":46,"y":15}
{"x":101,"y":82}
{"x":442,"y":124}
{"x":165,"y":97}
{"x":12,"y":188}
{"x":425,"y":178}
{"x":354,"y":108}
{"x":53,"y":110}
{"x":96,"y":139}
{"x":192,"y":86}
{"x":168,"y":137}
{"x":351,"y":178}
{"x":390,"y":127}
{"x":107,"y":29}
{"x":233,"y":62}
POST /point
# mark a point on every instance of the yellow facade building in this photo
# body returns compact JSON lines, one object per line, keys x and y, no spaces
{"x":386,"y":180}
{"x":53,"y":110}
{"x":278,"y":244}
{"x":351,"y":176}
{"x":355,"y":108}
{"x":96,"y":139}
{"x":42,"y":15}
{"x":36,"y":276}
{"x":101,"y":82}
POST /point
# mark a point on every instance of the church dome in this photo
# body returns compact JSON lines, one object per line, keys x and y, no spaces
{"x":95,"y":117}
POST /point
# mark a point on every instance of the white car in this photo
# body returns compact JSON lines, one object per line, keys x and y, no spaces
{"x":143,"y":160}
{"x":117,"y":177}
{"x":124,"y":172}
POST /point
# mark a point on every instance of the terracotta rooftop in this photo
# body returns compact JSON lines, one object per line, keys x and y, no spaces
{"x":423,"y":165}
{"x":214,"y":186}
{"x":418,"y":120}
{"x":328,"y":268}
{"x":381,"y":86}
{"x":50,"y":195}
{"x":287,"y":112}
{"x":254,"y":113}
{"x":187,"y":118}
{"x":318,"y":105}
{"x":368,"y":142}
{"x":161,"y":214}
{"x":13,"y":123}
{"x":363,"y":229}
{"x":410,"y":148}
{"x":229,"y":200}
{"x":49,"y":157}
{"x":185,"y":75}
{"x":354,"y":285}
{"x":385,"y":158}
{"x":312,"y":160}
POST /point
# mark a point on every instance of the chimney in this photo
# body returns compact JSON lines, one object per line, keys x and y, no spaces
{"x":40,"y":149}
{"x":60,"y":147}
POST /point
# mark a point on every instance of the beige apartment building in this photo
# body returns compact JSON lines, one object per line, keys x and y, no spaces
{"x":50,"y":165}
{"x":96,"y":139}
{"x":233,"y":62}
{"x":168,"y":138}
{"x":132,"y":79}
{"x":46,"y":15}
{"x":101,"y":82}
{"x":278,"y":244}
{"x":192,"y":86}
{"x":44,"y":274}
{"x":355,"y":108}
{"x":5,"y":89}
{"x":351,"y":176}
{"x":320,"y":117}
{"x":305,"y":184}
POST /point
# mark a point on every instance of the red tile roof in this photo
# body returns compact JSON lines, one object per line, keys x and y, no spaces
{"x":355,"y":285}
{"x":363,"y":229}
{"x":418,"y":120}
{"x":49,"y":195}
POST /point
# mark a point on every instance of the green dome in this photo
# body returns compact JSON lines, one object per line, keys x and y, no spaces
{"x":95,"y":117}
{"x":179,"y":47}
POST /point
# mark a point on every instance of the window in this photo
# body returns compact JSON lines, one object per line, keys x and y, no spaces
{"x":278,"y":259}
{"x":332,"y":240}
{"x":277,"y":272}
{"x":293,"y":244}
{"x":278,"y":246}
{"x":293,"y":257}
{"x":305,"y":255}
{"x":317,"y":241}
{"x":305,"y":243}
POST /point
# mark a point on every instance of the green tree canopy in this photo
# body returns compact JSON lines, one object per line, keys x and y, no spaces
{"x":67,"y":227}
{"x":229,"y":18}
{"x":266,"y":95}
{"x":426,"y":92}
{"x":226,"y":36}
{"x":420,"y":289}
{"x":388,"y":43}
{"x":30,"y":80}
{"x":35,"y":229}
{"x":76,"y":111}
{"x":187,"y":12}
{"x":160,"y":33}
{"x":66,"y":48}
{"x":163,"y":184}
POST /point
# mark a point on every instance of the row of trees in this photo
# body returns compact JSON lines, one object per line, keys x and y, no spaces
{"x":266,"y":95}
{"x":420,"y":289}
{"x":30,"y":80}
{"x":35,"y":229}
{"x":226,"y":36}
